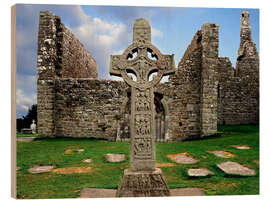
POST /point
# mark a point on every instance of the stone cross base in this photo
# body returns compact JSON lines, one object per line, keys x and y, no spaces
{"x":143,"y":184}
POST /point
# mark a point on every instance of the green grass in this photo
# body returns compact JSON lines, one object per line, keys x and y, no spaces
{"x":26,"y":135}
{"x":107,"y":175}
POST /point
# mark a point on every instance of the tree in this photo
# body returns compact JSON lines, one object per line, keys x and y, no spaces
{"x":26,"y":121}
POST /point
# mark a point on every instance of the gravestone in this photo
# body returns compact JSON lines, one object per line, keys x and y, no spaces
{"x":33,"y":127}
{"x":147,"y":65}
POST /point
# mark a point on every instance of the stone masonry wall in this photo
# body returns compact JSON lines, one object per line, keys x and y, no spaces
{"x":239,"y":87}
{"x":60,"y":55}
{"x":182,"y":94}
{"x":88,"y":107}
{"x":238,"y":98}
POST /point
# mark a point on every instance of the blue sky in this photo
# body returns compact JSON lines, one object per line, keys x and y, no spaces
{"x":106,"y":30}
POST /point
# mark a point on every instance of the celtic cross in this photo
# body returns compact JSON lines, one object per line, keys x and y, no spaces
{"x":142,"y":59}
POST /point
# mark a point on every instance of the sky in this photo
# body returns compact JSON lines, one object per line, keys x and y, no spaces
{"x":106,"y":30}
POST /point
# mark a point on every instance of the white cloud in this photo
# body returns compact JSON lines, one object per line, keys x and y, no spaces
{"x":25,"y":93}
{"x":156,"y":33}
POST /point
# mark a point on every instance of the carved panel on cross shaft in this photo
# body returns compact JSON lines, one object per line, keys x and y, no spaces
{"x":142,"y":125}
{"x":142,"y":148}
{"x":143,"y":101}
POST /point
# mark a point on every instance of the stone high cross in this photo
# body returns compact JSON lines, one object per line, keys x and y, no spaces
{"x":148,"y":60}
{"x":142,"y":59}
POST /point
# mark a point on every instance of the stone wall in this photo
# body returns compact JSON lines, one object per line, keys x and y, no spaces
{"x":88,"y":107}
{"x":182,"y":94}
{"x":238,"y":88}
{"x":60,"y":55}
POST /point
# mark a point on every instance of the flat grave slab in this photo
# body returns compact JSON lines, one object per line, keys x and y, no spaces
{"x":187,"y":192}
{"x":199,"y":172}
{"x":241,"y":146}
{"x":40,"y":169}
{"x":222,"y":154}
{"x":235,"y":168}
{"x":71,"y":170}
{"x":87,"y":160}
{"x":164,"y":165}
{"x":115,"y":157}
{"x":72,"y":151}
{"x":97,"y":193}
{"x":183,"y":158}
{"x":25,"y":139}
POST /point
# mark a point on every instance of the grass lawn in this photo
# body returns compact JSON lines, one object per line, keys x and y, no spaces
{"x":107,"y":175}
{"x":26,"y":135}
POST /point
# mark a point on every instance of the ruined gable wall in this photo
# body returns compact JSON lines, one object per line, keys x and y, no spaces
{"x":182,"y":94}
{"x":88,"y":107}
{"x":238,"y":97}
{"x":239,"y":92}
{"x":60,"y":55}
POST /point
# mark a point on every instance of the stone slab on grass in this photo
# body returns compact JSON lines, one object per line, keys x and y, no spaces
{"x":241,"y":146}
{"x":115,"y":157}
{"x":164,"y":165}
{"x":71,"y":170}
{"x":187,"y":192}
{"x":235,"y":168}
{"x":25,"y":139}
{"x":87,"y":160}
{"x":183,"y":158}
{"x":199,"y":172}
{"x":222,"y":154}
{"x":40,"y":169}
{"x":97,"y":193}
{"x":72,"y":151}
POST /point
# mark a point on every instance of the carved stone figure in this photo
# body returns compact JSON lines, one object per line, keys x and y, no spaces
{"x":142,"y":107}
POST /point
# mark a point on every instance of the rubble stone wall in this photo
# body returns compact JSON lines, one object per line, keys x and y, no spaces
{"x":182,"y":94}
{"x":88,"y":107}
{"x":60,"y":55}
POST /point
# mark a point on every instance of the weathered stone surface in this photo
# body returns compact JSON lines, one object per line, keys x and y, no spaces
{"x":60,"y":55}
{"x":164,"y":165}
{"x":33,"y":127}
{"x":183,"y":158}
{"x":97,"y":193}
{"x":222,"y":154}
{"x":71,"y":170}
{"x":40,"y":169}
{"x":100,"y":193}
{"x":142,"y":184}
{"x":25,"y":139}
{"x":241,"y":146}
{"x":187,"y":192}
{"x":143,"y":178}
{"x":87,"y":160}
{"x":26,"y":131}
{"x":238,"y":101}
{"x":72,"y":151}
{"x":199,"y":172}
{"x":115,"y":157}
{"x":234,"y":168}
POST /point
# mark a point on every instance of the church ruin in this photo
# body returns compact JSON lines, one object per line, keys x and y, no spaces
{"x":206,"y":90}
